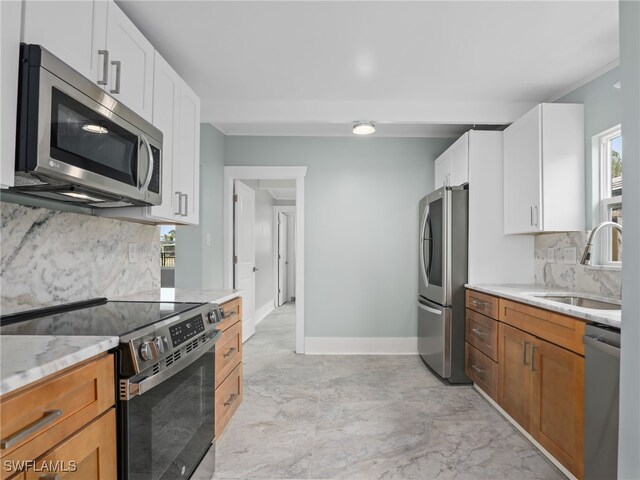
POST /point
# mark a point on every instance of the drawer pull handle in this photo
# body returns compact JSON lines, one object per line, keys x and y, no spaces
{"x":229,"y":352}
{"x":229,"y":314}
{"x":480,"y":304}
{"x":232,"y":399}
{"x":49,"y":476}
{"x":478,"y":332}
{"x":477,"y":369}
{"x":48,"y":417}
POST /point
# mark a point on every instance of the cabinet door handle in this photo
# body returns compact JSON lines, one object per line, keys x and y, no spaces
{"x":480,"y":304}
{"x":179,"y":195}
{"x":105,"y":67}
{"x":535,"y":215}
{"x":118,"y":66}
{"x":231,"y":399}
{"x":186,"y":204}
{"x":531,"y":215}
{"x":524,"y":352}
{"x":229,"y":352}
{"x":533,"y":357}
{"x":49,"y":476}
{"x":48,"y":417}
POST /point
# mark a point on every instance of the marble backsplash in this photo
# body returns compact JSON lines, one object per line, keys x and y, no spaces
{"x":597,"y":281}
{"x":48,"y":257}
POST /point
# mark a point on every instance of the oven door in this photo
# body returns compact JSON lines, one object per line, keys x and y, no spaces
{"x":166,"y":430}
{"x":435,"y":247}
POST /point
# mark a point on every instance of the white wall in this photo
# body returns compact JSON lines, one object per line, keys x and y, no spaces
{"x":629,"y":444}
{"x":361,"y":206}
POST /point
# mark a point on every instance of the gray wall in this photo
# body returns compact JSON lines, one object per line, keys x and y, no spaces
{"x":629,"y":460}
{"x":361,"y":227}
{"x":602,"y":110}
{"x":199,"y":265}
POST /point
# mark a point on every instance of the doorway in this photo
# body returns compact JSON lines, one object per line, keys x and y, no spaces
{"x":284,"y":254}
{"x":237,"y":250}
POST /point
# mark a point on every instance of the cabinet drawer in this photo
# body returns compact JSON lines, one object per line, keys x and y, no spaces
{"x":232,"y":313}
{"x":482,"y":303}
{"x":556,"y":328}
{"x":79,"y":395}
{"x":228,"y":352}
{"x":482,"y":370}
{"x":93,"y":449}
{"x":228,"y":398}
{"x":482,"y":333}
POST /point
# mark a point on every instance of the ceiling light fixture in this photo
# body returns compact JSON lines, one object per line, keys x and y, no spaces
{"x":617,"y":86}
{"x":364,"y":128}
{"x":92,"y":128}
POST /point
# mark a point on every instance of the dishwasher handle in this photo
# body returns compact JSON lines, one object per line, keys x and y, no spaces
{"x":594,"y":342}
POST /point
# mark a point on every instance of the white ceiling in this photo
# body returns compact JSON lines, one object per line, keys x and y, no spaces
{"x":416,"y":68}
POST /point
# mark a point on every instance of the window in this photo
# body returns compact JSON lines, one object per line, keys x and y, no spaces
{"x":168,"y":246}
{"x":610,"y":143}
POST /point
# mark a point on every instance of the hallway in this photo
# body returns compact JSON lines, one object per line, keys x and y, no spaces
{"x":362,"y":417}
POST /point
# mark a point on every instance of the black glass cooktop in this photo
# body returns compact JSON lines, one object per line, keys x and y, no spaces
{"x":103,"y":318}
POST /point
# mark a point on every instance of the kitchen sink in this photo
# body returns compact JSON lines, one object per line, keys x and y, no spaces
{"x":579,"y":301}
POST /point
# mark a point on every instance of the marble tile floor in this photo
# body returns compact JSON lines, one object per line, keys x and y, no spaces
{"x":362,"y":417}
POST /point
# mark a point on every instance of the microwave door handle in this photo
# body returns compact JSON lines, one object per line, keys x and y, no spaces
{"x":147,"y":180}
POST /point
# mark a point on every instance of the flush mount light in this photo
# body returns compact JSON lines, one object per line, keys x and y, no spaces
{"x":81,"y":196}
{"x":617,"y":86}
{"x":90,"y":127}
{"x":364,"y":128}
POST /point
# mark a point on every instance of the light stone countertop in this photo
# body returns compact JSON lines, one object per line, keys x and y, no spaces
{"x":521,"y":293}
{"x":181,"y":295}
{"x":27,"y":358}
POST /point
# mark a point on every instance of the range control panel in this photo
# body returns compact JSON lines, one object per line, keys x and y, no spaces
{"x":186,"y":330}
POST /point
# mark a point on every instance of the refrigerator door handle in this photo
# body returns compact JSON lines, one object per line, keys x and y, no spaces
{"x":429,"y":309}
{"x":425,"y":238}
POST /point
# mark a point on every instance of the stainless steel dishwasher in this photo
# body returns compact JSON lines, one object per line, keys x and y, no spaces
{"x":601,"y":396}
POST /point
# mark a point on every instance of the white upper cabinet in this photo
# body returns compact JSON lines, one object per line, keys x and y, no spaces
{"x":130,"y":63}
{"x":73,"y":31}
{"x":452,"y":167}
{"x":187,"y":164}
{"x":10,"y":13}
{"x":544,"y":170}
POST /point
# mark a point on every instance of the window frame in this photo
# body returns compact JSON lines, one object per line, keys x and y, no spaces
{"x":606,"y":201}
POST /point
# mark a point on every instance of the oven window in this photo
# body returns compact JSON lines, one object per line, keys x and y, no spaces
{"x":85,"y":139}
{"x":168,"y":429}
{"x":436,"y":224}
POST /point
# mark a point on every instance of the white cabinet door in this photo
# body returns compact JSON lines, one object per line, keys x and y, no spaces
{"x":166,"y":117}
{"x":442,"y":170}
{"x":9,"y":48}
{"x":187,"y":167}
{"x":131,"y":63}
{"x":459,"y":170}
{"x":71,"y":30}
{"x":523,"y":174}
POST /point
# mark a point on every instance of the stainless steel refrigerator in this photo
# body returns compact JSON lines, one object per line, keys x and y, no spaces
{"x":442,"y":274}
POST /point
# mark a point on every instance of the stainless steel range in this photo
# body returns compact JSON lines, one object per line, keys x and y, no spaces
{"x":165,"y":374}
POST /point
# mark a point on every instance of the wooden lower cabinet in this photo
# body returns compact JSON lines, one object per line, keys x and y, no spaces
{"x":228,"y":399}
{"x":514,"y":390}
{"x":482,"y":370}
{"x":88,"y":454}
{"x":557,"y":400}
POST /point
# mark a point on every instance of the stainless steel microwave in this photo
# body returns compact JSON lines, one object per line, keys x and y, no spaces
{"x":76,"y":143}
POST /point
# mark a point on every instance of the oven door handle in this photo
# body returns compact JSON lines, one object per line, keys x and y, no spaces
{"x":129,"y":389}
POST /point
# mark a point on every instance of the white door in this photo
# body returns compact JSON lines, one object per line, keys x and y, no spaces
{"x":282,"y":259}
{"x":291,"y":257}
{"x":244,"y":245}
{"x":73,"y":31}
{"x":131,"y":58}
{"x":523,"y":174}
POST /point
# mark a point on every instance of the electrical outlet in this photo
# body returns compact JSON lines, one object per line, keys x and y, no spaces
{"x":208,"y":240}
{"x":570,"y":256}
{"x":133,"y":252}
{"x":551,"y":255}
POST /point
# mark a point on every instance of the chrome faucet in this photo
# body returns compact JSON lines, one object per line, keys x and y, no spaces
{"x":586,"y":256}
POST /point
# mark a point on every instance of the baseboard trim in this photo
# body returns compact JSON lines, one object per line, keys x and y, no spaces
{"x":551,"y":458}
{"x":263,"y":311}
{"x":248,"y":329}
{"x":361,"y":345}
